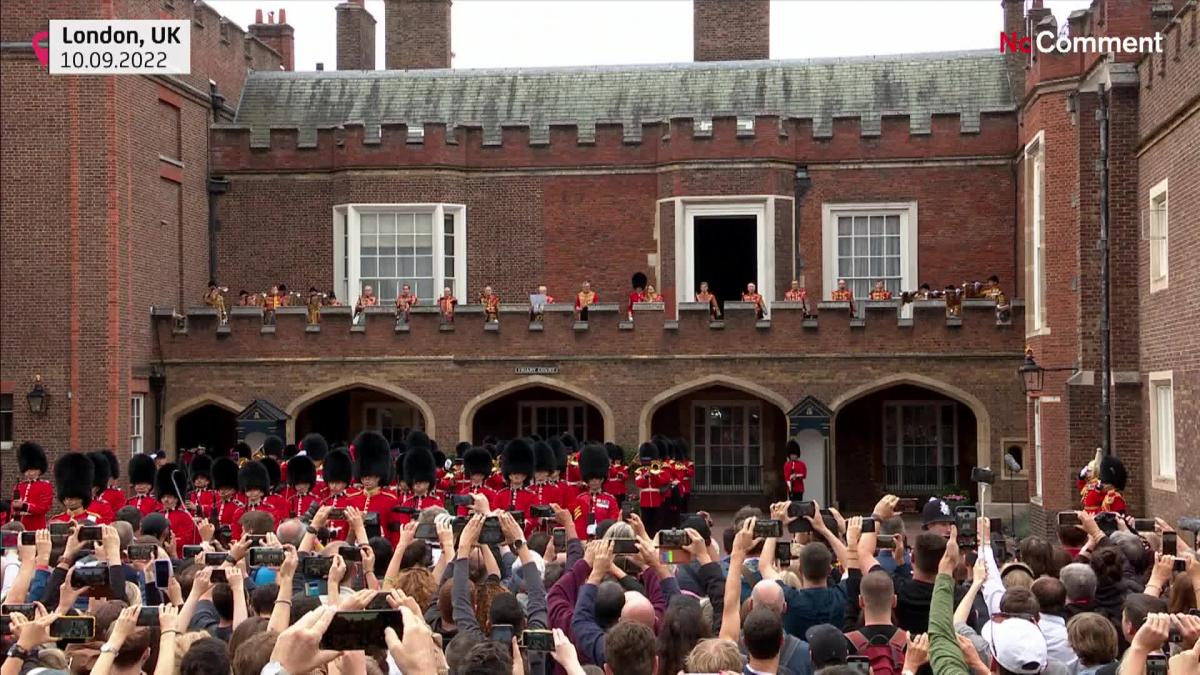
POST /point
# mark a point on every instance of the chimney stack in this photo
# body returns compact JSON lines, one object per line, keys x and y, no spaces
{"x":729,"y":30}
{"x":1015,"y":61}
{"x":416,"y":34}
{"x":278,"y":36}
{"x":355,"y":37}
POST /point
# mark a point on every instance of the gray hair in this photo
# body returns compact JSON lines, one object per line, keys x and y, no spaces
{"x":1079,"y":580}
{"x":291,"y":531}
{"x":619,"y":530}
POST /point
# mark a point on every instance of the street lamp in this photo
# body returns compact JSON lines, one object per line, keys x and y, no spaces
{"x":37,"y":397}
{"x":1032,"y":375}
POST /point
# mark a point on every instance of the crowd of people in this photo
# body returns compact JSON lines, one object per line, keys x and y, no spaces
{"x":524,"y":557}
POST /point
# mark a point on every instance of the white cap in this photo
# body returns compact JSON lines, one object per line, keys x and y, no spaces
{"x":1017,"y":644}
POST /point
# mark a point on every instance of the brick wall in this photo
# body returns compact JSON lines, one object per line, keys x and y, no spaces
{"x":417,"y":34}
{"x":355,"y":37}
{"x":731,"y":31}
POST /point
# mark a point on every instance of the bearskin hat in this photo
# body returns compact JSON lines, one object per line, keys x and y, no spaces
{"x":1112,"y":472}
{"x":301,"y":470}
{"x":638,"y":280}
{"x":543,"y":457}
{"x":477,"y":461}
{"x":593,"y":462}
{"x":517,"y":457}
{"x":373,"y":456}
{"x":569,"y":441}
{"x":662,"y":446}
{"x":274,"y":473}
{"x":648,"y":452}
{"x":74,"y":474}
{"x":289,"y":451}
{"x":114,"y":465}
{"x":273,"y":446}
{"x":225,"y":473}
{"x":32,"y":456}
{"x":615,"y":453}
{"x":141,"y":470}
{"x":242,"y":450}
{"x":462,"y":448}
{"x":418,"y":439}
{"x":793,"y":448}
{"x":315,"y":446}
{"x":439,"y":458}
{"x":99,"y":470}
{"x":419,"y":466}
{"x":560,"y":454}
{"x":253,"y":476}
{"x":339,"y":468}
{"x":398,"y":466}
{"x":683,"y":451}
{"x":201,"y":466}
{"x":165,"y":480}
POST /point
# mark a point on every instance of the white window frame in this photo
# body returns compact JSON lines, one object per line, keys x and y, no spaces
{"x":12,"y":418}
{"x":397,"y":409}
{"x":137,"y":423}
{"x":701,"y":450}
{"x":1035,"y":208}
{"x":535,"y":407}
{"x":345,"y":233}
{"x":909,"y":235}
{"x":940,"y":404}
{"x":762,"y":208}
{"x":1159,"y":228}
{"x":1163,"y":457}
{"x":1037,"y":451}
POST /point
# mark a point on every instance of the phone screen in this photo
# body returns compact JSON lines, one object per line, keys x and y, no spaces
{"x":1156,"y":664}
{"x":148,"y":616}
{"x":859,"y":664}
{"x":73,"y":628}
{"x":537,"y":640}
{"x":271,"y":557}
{"x":142,"y":551}
{"x":91,"y":533}
{"x":1068,"y":518}
{"x":502,"y":633}
{"x":361,"y":629}
{"x":1169,"y":546}
{"x":560,"y":539}
{"x":25,"y":609}
{"x":162,"y":573}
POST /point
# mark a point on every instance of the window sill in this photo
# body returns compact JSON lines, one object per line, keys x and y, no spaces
{"x":1037,"y":332}
{"x":1035,"y":499}
{"x":1158,"y":285}
{"x":1163,"y":483}
{"x":6,"y":445}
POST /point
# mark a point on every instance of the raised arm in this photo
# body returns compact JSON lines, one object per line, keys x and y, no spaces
{"x":944,"y":653}
{"x":731,"y":626}
{"x":281,"y":613}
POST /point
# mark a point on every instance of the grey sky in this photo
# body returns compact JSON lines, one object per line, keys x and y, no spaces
{"x":514,"y":33}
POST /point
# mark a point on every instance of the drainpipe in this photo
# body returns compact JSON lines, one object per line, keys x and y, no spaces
{"x":158,"y":381}
{"x":1102,"y":115}
{"x":803,"y":184}
{"x":216,"y":185}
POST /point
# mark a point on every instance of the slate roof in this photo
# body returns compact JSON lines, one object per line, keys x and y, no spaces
{"x":916,"y":85}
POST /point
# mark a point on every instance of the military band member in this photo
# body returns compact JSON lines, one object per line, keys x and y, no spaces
{"x":112,"y":495}
{"x":202,"y":499}
{"x":229,"y":508}
{"x":255,"y":484}
{"x":566,"y":489}
{"x":517,"y":464}
{"x":638,"y":294}
{"x":1112,"y":481}
{"x":537,"y":313}
{"x":477,"y":466}
{"x":794,"y":472}
{"x":446,"y":305}
{"x":652,"y":483}
{"x":618,"y":473}
{"x":797,"y":293}
{"x":274,"y":498}
{"x":420,"y":473}
{"x":491,"y":305}
{"x":405,"y":301}
{"x":73,"y":479}
{"x":594,"y":505}
{"x":271,"y":302}
{"x":215,"y":298}
{"x":367,"y":299}
{"x":315,"y":300}
{"x":331,"y":299}
{"x":167,"y":483}
{"x":752,"y":295}
{"x":339,"y":472}
{"x":544,"y":490}
{"x":706,"y":297}
{"x":571,"y":445}
{"x":880,"y":292}
{"x":299,"y":495}
{"x":33,"y":495}
{"x":685,"y":471}
{"x":585,"y":298}
{"x":373,"y":465}
{"x":843,"y":294}
{"x":141,"y":477}
{"x":99,"y":485}
{"x":1091,"y":496}
{"x":315,"y":447}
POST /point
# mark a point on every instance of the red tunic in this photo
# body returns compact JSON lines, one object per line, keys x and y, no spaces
{"x":279,"y":505}
{"x":591,"y":508}
{"x":297,"y":504}
{"x":340,"y":527}
{"x":264,"y":506}
{"x":204,"y":501}
{"x":1093,"y":498}
{"x":104,"y":510}
{"x":469,"y":489}
{"x":568,"y":491}
{"x":114,"y":498}
{"x":380,"y":502}
{"x":794,"y":472}
{"x":573,"y":474}
{"x":1113,"y":501}
{"x":651,"y":486}
{"x":145,"y":503}
{"x":184,"y":528}
{"x":496,"y":481}
{"x":229,"y":512}
{"x":38,"y":495}
{"x":79,"y":517}
{"x":546,"y":493}
{"x":411,"y":501}
{"x":635,"y":297}
{"x":614,"y":485}
{"x":514,"y":499}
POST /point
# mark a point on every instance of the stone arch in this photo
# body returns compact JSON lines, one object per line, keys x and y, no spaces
{"x":465,"y":421}
{"x":380,"y":386}
{"x":171,"y":417}
{"x":678,"y":390}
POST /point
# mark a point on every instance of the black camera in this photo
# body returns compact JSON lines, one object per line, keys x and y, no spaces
{"x":491,"y":532}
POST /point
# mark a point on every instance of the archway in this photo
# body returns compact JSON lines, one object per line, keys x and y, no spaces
{"x":737,"y":431}
{"x":343,"y":410}
{"x":536,"y":404}
{"x":211,"y":426}
{"x":176,"y":413}
{"x":907,"y":435}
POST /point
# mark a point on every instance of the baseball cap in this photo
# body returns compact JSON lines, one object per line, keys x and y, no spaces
{"x":1016,"y":643}
{"x":936,"y":511}
{"x":826,"y":645}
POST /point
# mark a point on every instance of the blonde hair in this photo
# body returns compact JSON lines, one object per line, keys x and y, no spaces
{"x":184,"y":642}
{"x":133,"y":595}
{"x":789,"y":577}
{"x":418,"y":582}
{"x":713,"y":655}
{"x":1093,"y":638}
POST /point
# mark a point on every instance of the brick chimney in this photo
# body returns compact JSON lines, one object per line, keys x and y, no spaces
{"x":355,"y":36}
{"x":728,"y":30}
{"x":1015,"y":61}
{"x":278,"y":36}
{"x":416,"y":34}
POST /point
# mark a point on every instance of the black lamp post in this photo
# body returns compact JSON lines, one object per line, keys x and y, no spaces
{"x":38,"y":397}
{"x":1033,"y":375}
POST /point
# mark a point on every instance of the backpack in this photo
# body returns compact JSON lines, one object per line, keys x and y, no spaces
{"x":887,"y":658}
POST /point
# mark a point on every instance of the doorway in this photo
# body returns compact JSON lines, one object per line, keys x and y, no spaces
{"x":726,"y":255}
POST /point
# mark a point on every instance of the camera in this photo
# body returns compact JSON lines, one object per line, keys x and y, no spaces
{"x":148,"y":616}
{"x":73,"y":628}
{"x":673,"y":539}
{"x":801,"y":509}
{"x":491,"y":532}
{"x":357,"y":630}
{"x":625,"y":546}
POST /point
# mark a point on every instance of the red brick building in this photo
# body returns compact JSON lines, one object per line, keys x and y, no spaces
{"x":905,"y":169}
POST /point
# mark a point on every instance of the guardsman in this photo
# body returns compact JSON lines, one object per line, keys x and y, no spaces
{"x":141,"y":477}
{"x":797,"y":293}
{"x":202,"y":499}
{"x":420,"y":473}
{"x":229,"y":507}
{"x":638,"y":294}
{"x":594,"y":504}
{"x":685,"y":471}
{"x":339,"y":472}
{"x":517,"y":464}
{"x":167,"y":483}
{"x":652,"y":483}
{"x":34,"y":495}
{"x":566,"y":489}
{"x":405,"y":301}
{"x":545,"y":491}
{"x":373,"y":466}
{"x":100,"y":473}
{"x":274,"y":499}
{"x":301,"y":475}
{"x":794,"y":472}
{"x":316,"y":448}
{"x":74,"y":474}
{"x":618,"y":473}
{"x":1112,"y":481}
{"x":1091,"y":497}
{"x":446,"y":304}
{"x":477,"y":466}
{"x":112,"y":495}
{"x":255,"y":484}
{"x":572,"y":445}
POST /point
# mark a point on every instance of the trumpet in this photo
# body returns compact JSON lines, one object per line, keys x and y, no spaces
{"x":656,"y":466}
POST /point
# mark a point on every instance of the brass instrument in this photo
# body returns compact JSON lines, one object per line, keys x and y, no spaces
{"x":656,"y":466}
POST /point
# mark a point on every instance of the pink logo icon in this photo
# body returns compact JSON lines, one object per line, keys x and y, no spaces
{"x":43,"y":54}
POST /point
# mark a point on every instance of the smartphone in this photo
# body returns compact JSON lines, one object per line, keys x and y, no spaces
{"x":9,"y":539}
{"x":61,"y":528}
{"x":560,"y":538}
{"x":215,"y":558}
{"x":1143,"y":524}
{"x":25,"y":609}
{"x":350,"y":554}
{"x":142,"y":551}
{"x":352,"y":631}
{"x":675,"y":556}
{"x":801,"y":509}
{"x":84,"y":577}
{"x":884,"y":543}
{"x":868,"y":524}
{"x":907,"y":505}
{"x":966,"y":518}
{"x":315,"y":566}
{"x":625,"y":546}
{"x":1107,"y":521}
{"x":541,"y":511}
{"x":256,"y":539}
{"x":264,"y":556}
{"x":337,"y":514}
{"x":859,"y":663}
{"x":73,"y":628}
{"x":628,"y":509}
{"x":162,"y":573}
{"x":491,"y":532}
{"x":1169,"y":545}
{"x":148,"y":616}
{"x":673,"y":539}
{"x":537,"y":640}
{"x":427,"y":531}
{"x":768,"y":528}
{"x":217,"y":576}
{"x":1156,"y":664}
{"x":461,"y":500}
{"x":519,"y":516}
{"x":502,"y":633}
{"x":1068,"y":518}
{"x":192,"y":550}
{"x":783,"y":552}
{"x":90,"y":533}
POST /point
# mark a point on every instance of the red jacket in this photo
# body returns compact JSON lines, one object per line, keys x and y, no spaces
{"x":183,"y":526}
{"x":652,"y":486}
{"x":514,"y":499}
{"x":348,"y":497}
{"x":79,"y":517}
{"x":546,"y":493}
{"x":146,"y":504}
{"x":105,"y":511}
{"x":380,"y":502}
{"x":412,"y":501}
{"x":265,"y":506}
{"x":114,"y":498}
{"x":38,"y":495}
{"x":591,"y":508}
{"x":297,"y":504}
{"x":568,"y":491}
{"x":794,"y":472}
{"x":618,"y":475}
{"x":229,"y":512}
{"x":469,"y":489}
{"x":204,"y":501}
